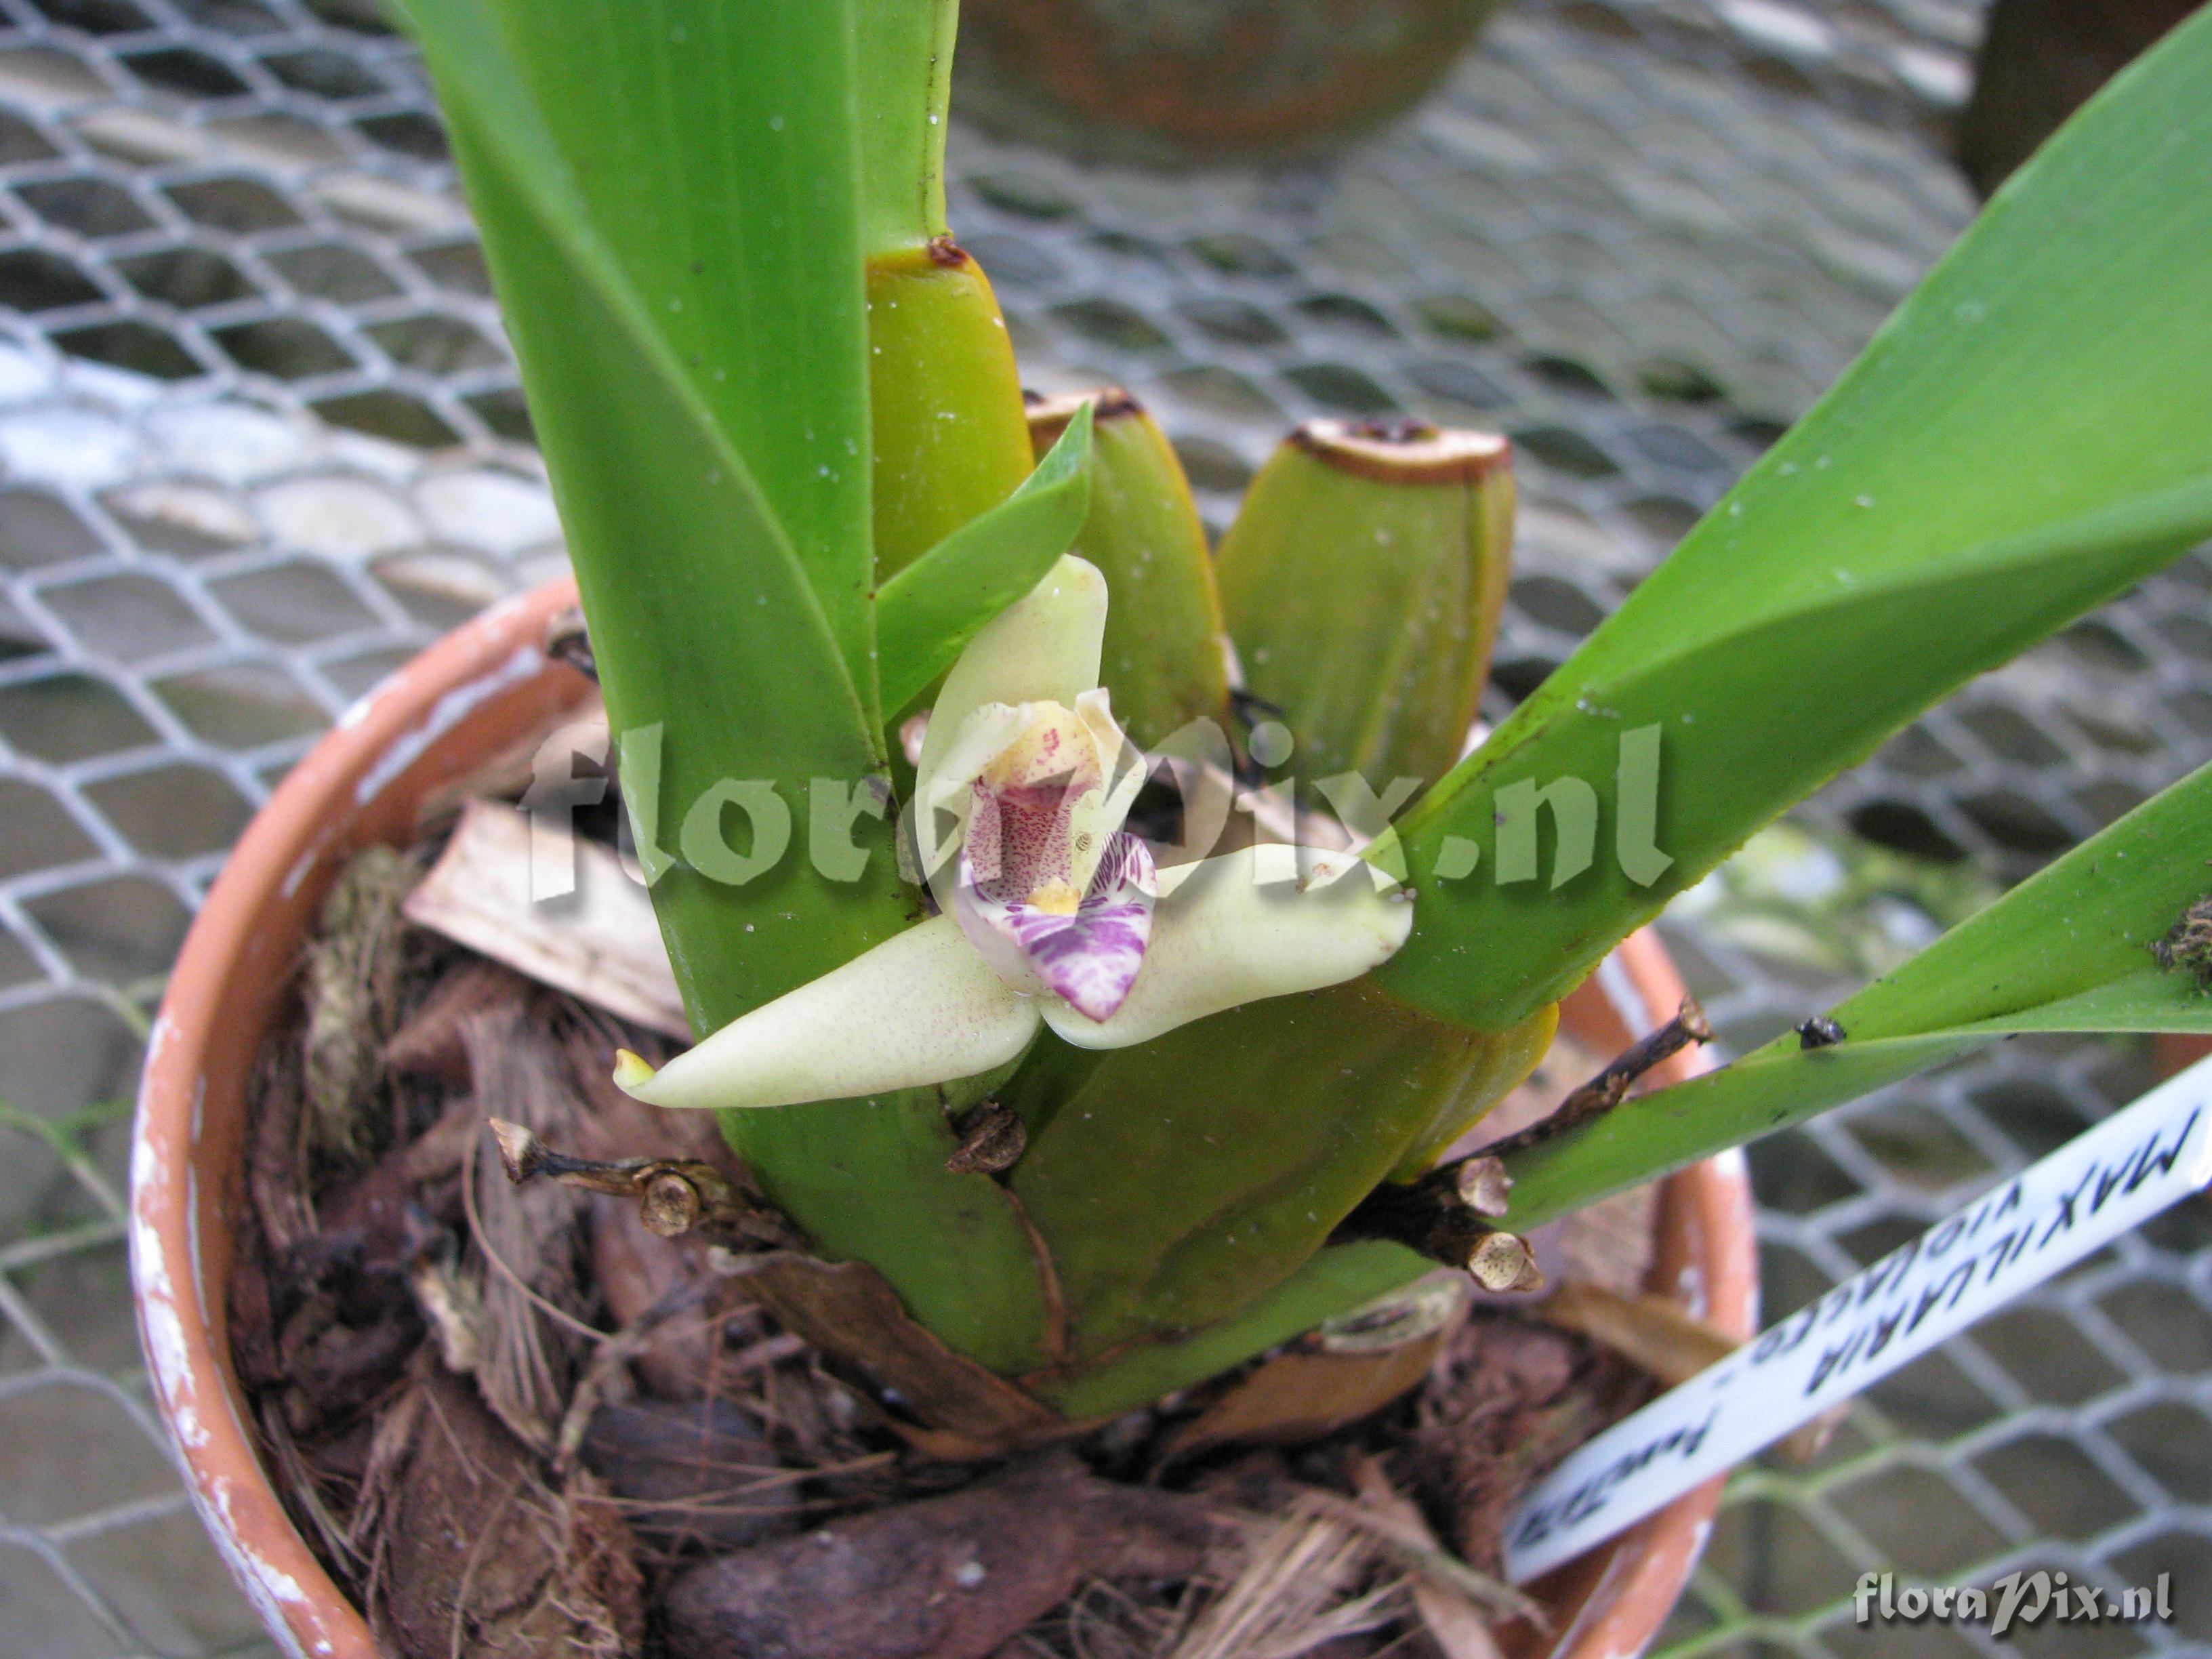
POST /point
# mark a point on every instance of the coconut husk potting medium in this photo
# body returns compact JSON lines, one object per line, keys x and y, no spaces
{"x":520,"y":1419}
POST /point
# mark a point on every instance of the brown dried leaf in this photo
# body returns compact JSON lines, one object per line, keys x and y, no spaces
{"x":1305,"y":1393}
{"x":849,"y":1309}
{"x":637,"y":1271}
{"x":612,"y":1125}
{"x":427,"y":1043}
{"x":438,"y":1154}
{"x":580,"y":730}
{"x":1659,"y":1335}
{"x":600,"y":943}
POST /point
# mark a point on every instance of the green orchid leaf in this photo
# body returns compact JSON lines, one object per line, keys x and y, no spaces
{"x":1177,"y":1179}
{"x":946,"y":397}
{"x":927,"y":613}
{"x":713,"y":150}
{"x":2030,"y":434}
{"x":2072,"y":949}
{"x":1737,"y":737}
{"x":1332,"y":1281}
{"x":2066,"y":951}
{"x":904,"y":59}
{"x":705,"y":620}
{"x":712,"y":478}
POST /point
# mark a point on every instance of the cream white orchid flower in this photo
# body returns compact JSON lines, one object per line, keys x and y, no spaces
{"x":1052,"y":912}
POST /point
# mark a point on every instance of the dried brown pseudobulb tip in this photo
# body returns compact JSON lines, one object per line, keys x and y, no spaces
{"x":1483,"y":1185}
{"x":1504,"y":1261}
{"x":670,"y":1204}
{"x":1444,"y":1217}
{"x":2187,"y":946}
{"x":1049,"y":413}
{"x":673,"y":1196}
{"x":1404,"y":451}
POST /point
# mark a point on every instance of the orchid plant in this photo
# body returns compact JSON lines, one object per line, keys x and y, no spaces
{"x":816,"y":542}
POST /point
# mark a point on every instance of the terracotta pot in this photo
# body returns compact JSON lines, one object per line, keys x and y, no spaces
{"x":477,"y":691}
{"x":1181,"y":79}
{"x":2177,"y":1051}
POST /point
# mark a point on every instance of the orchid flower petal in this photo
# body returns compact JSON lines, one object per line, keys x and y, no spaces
{"x":943,"y":799}
{"x":983,"y":736}
{"x":1225,"y":931}
{"x":1120,"y":763}
{"x":1090,"y":956}
{"x":1044,"y":648}
{"x":922,"y":1007}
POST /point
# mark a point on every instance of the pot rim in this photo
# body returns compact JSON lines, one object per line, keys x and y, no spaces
{"x":483,"y":687}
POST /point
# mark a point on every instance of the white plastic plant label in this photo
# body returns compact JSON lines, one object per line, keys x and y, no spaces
{"x":2099,"y":1186}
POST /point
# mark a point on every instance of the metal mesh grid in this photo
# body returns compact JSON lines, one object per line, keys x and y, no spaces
{"x":259,"y":438}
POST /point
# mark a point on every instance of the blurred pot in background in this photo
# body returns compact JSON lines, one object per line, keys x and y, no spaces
{"x":1181,"y":80}
{"x":2040,"y":61}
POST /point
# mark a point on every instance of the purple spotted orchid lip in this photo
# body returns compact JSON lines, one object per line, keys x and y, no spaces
{"x":1047,"y":886}
{"x":1014,"y":911}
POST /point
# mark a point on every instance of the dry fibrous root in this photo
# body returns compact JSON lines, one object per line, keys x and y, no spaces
{"x":352,"y":997}
{"x":1449,"y":1214}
